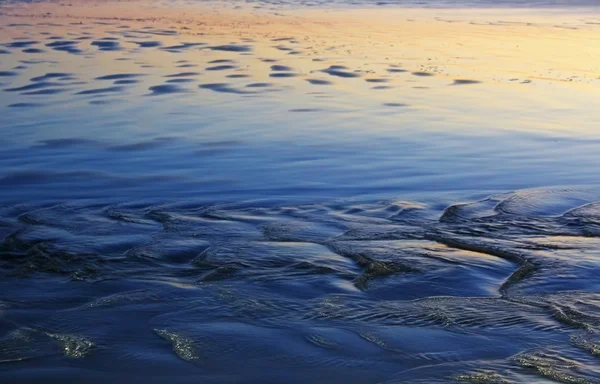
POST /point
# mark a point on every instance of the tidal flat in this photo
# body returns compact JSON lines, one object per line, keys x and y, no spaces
{"x":299,"y":191}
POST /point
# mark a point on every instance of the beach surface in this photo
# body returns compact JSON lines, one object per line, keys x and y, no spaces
{"x":240,"y":192}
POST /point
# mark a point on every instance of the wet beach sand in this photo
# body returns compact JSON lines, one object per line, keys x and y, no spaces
{"x":267,"y":192}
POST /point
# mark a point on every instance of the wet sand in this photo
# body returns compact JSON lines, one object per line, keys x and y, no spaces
{"x":397,"y":56}
{"x":200,"y":192}
{"x":490,"y":45}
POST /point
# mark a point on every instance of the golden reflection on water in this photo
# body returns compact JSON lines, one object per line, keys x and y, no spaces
{"x":523,"y":61}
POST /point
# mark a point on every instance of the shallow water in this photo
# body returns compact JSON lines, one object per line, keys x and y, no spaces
{"x":184,"y":209}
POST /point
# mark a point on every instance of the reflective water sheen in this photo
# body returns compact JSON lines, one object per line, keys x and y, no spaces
{"x":201,"y":208}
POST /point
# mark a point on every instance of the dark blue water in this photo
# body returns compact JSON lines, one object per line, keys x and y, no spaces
{"x":182,"y":211}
